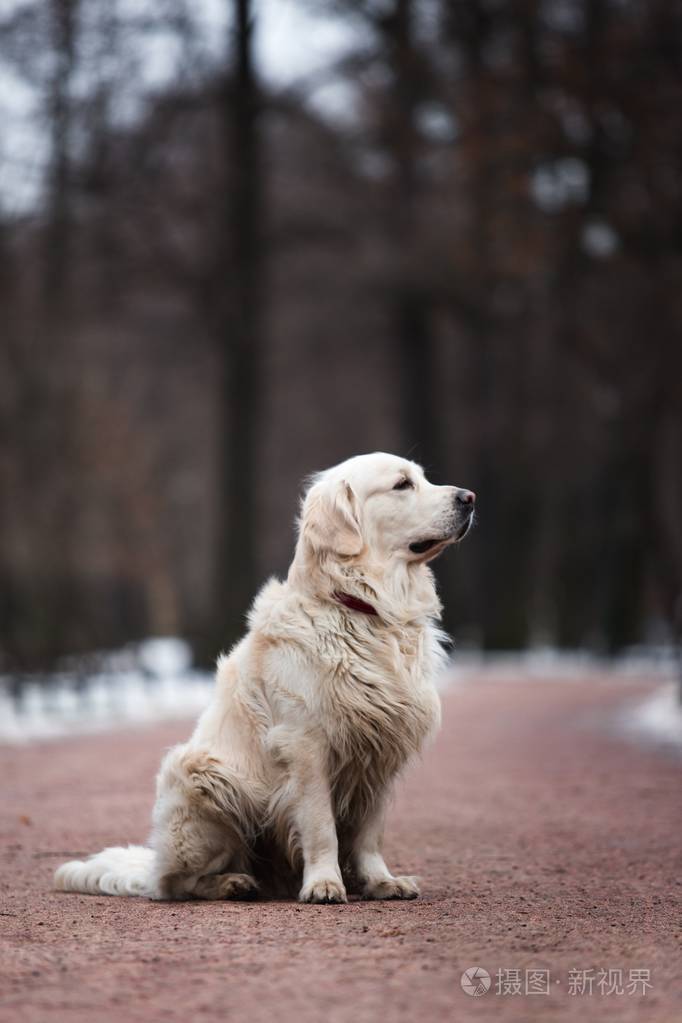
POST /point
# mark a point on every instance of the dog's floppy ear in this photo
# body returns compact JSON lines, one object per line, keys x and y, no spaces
{"x":329,"y":519}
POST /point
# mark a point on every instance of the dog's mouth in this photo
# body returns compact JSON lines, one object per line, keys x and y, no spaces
{"x":422,"y":546}
{"x":464,"y":528}
{"x":436,"y":544}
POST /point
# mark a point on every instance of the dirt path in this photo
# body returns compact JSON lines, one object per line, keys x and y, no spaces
{"x":544,"y":842}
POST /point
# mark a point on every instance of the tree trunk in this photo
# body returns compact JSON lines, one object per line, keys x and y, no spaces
{"x":410,"y":313}
{"x":58,"y":233}
{"x":240,"y":339}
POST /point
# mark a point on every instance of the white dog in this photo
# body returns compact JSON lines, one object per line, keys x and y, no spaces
{"x":314,"y":712}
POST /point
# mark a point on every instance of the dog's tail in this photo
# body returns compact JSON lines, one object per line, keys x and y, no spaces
{"x":115,"y":871}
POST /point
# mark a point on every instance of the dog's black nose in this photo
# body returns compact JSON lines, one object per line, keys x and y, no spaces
{"x":464,"y":498}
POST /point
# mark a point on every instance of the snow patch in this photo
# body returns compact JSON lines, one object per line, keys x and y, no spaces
{"x":658,"y":718}
{"x":142,"y":684}
{"x":552,"y":665}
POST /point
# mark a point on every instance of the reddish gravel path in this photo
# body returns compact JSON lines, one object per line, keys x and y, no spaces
{"x":544,"y":841}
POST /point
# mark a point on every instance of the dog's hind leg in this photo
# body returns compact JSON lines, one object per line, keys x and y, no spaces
{"x":204,"y":819}
{"x":225,"y":886}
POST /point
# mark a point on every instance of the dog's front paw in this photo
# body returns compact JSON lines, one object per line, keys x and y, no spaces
{"x":323,"y":891}
{"x":392,"y":888}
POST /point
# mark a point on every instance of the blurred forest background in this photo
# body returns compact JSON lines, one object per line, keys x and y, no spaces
{"x":459,"y":239}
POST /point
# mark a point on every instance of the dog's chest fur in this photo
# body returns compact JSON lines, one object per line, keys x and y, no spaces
{"x":371,"y":692}
{"x":378,"y":705}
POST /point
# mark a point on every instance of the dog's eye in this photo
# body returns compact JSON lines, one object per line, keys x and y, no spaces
{"x":404,"y":484}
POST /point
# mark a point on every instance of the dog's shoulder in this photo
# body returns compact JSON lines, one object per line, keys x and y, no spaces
{"x":278,"y":614}
{"x":267,"y":603}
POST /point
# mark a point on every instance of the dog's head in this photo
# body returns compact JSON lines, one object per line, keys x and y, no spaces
{"x":381,"y":508}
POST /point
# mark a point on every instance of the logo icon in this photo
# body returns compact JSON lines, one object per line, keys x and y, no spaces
{"x":475,"y":981}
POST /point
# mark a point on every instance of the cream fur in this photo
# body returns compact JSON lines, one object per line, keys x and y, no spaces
{"x":314,"y":712}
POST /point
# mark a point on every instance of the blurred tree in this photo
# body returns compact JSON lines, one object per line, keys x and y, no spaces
{"x":63,"y":15}
{"x":239,"y":312}
{"x":478,"y":265}
{"x":412,"y":312}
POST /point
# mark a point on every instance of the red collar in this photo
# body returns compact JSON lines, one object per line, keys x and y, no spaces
{"x":354,"y":603}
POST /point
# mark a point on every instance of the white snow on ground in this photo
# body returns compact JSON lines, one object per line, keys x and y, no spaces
{"x":154,"y":681}
{"x":554,"y":665}
{"x":150,"y":682}
{"x":658,"y":718}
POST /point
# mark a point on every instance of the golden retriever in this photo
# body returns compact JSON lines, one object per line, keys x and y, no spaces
{"x":314,"y":712}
